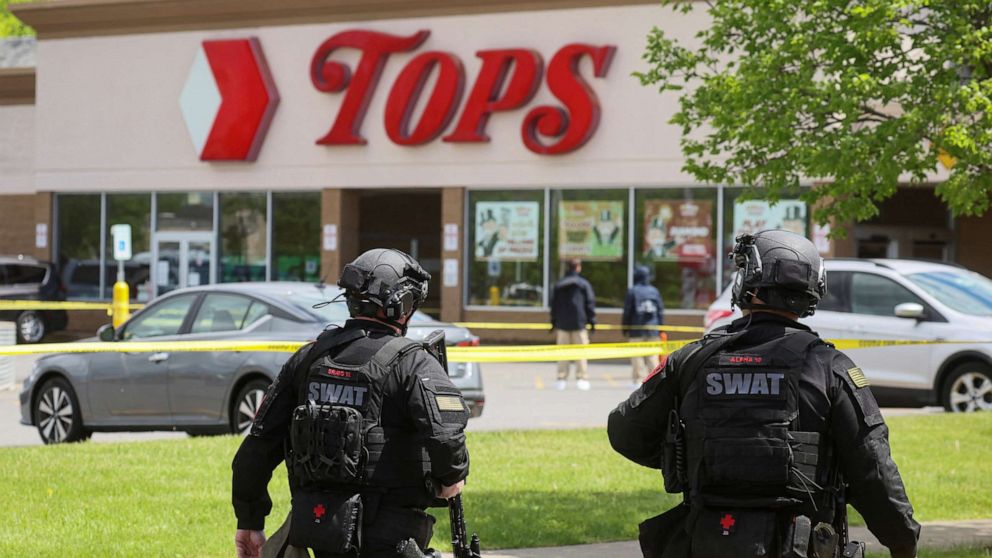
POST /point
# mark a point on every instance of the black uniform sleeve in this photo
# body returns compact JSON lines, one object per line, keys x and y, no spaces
{"x":638,"y":425}
{"x":590,"y":303}
{"x":628,"y":309}
{"x":861,"y":441}
{"x":262,"y":450}
{"x":437,"y":409}
{"x":551,"y":304}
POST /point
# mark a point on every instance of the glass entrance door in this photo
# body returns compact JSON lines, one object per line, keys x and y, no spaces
{"x":183,"y":259}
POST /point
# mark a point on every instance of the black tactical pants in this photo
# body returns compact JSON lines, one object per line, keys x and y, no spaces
{"x":389,"y":527}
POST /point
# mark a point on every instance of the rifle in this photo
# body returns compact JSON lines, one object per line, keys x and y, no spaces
{"x":461,"y":545}
{"x":434,"y":344}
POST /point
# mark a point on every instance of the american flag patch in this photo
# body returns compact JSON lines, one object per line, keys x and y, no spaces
{"x":858,"y":377}
{"x":449,"y":403}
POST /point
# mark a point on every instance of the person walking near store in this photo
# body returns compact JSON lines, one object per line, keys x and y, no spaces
{"x":767,"y":430}
{"x":372,"y":426}
{"x":642,"y":307}
{"x":573,"y":308}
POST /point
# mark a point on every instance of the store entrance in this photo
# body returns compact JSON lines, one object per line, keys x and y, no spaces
{"x":407,"y":220}
{"x":182,"y":259}
{"x":911,"y":224}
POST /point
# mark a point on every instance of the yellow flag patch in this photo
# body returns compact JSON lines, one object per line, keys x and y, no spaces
{"x":449,"y":403}
{"x":858,"y":377}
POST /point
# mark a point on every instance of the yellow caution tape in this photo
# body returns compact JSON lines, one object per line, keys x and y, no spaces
{"x":547,"y":326}
{"x":506,"y":353}
{"x":153,"y":347}
{"x":57,"y":305}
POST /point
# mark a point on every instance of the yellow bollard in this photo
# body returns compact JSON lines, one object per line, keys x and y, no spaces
{"x":121,"y":303}
{"x":494,"y":296}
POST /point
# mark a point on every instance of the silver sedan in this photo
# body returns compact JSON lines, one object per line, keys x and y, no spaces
{"x":70,"y":396}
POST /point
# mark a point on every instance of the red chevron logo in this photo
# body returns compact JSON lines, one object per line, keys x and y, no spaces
{"x":228,"y":100}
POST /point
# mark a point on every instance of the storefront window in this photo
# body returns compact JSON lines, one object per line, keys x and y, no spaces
{"x":506,"y":248}
{"x":750,"y":216}
{"x":79,"y":244}
{"x":675,"y":236}
{"x":591,"y":225}
{"x":134,"y":210}
{"x":188,"y":211}
{"x":296,"y":236}
{"x":242,"y":237}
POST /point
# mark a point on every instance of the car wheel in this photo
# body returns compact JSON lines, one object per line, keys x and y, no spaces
{"x":30,"y":327}
{"x":246,"y":404}
{"x":56,"y":413}
{"x":969,"y":388}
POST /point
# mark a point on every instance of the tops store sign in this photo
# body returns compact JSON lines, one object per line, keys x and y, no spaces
{"x":508,"y":79}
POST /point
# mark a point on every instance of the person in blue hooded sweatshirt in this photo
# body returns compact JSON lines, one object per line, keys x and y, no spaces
{"x":643,"y":307}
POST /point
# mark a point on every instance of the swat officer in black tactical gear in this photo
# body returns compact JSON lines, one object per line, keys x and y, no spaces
{"x":766,"y":429}
{"x":368,"y":423}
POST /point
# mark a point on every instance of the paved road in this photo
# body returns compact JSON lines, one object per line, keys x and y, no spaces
{"x":518,"y":396}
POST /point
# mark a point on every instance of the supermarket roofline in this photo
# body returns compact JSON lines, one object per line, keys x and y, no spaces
{"x":58,"y":19}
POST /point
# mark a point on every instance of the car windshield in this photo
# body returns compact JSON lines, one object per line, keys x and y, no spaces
{"x":966,"y":292}
{"x":336,"y":312}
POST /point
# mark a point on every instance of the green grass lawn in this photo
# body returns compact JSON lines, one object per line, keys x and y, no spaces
{"x":171,"y":498}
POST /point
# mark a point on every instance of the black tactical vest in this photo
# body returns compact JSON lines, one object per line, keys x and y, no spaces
{"x":744,"y":446}
{"x":336,"y":437}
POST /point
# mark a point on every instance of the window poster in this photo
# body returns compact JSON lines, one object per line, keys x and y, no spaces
{"x":591,"y":230}
{"x":507,"y":231}
{"x":752,"y":216}
{"x":678,"y":230}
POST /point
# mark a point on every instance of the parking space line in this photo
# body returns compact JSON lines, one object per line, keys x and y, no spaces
{"x":609,"y":379}
{"x":538,"y":382}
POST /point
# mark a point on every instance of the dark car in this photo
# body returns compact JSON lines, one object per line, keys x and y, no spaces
{"x":24,"y":278}
{"x":69,"y":396}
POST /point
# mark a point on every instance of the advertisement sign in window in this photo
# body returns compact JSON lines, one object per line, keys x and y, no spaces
{"x":758,"y":215}
{"x":591,"y":230}
{"x":678,"y":230}
{"x":506,"y":231}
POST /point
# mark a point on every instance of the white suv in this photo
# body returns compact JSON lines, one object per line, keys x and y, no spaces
{"x":907,"y":299}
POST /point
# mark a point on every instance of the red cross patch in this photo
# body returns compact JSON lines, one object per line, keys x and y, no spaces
{"x":727,"y":523}
{"x":318,"y":511}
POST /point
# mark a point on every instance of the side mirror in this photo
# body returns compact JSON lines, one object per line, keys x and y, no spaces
{"x":106,"y":333}
{"x":911,"y":310}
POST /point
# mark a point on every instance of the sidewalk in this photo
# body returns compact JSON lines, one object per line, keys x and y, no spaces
{"x":939,"y":534}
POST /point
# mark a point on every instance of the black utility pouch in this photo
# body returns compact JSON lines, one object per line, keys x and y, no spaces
{"x":327,"y":444}
{"x":735,"y":533}
{"x":327,"y":522}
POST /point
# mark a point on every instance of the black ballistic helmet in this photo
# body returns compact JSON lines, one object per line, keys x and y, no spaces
{"x":781,"y":268}
{"x":384,"y":279}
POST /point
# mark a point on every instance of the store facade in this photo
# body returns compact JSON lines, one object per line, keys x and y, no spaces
{"x":492,"y":140}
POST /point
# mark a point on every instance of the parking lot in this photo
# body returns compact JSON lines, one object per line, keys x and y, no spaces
{"x":518,"y":396}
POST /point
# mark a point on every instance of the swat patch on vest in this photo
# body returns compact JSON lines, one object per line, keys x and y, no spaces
{"x":336,"y":394}
{"x":857,"y":377}
{"x":742,"y":359}
{"x":745,"y":384}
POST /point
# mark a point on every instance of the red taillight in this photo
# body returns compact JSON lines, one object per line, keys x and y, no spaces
{"x":713,"y":316}
{"x":473,"y":342}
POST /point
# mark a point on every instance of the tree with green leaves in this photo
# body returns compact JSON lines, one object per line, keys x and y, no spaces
{"x":859,"y":95}
{"x":10,"y":26}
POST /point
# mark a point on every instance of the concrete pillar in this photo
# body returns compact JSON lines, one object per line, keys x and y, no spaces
{"x":339,"y":230}
{"x":453,"y":225}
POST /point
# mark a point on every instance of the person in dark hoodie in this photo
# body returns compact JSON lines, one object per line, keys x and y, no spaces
{"x":573,"y":307}
{"x":643,"y":307}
